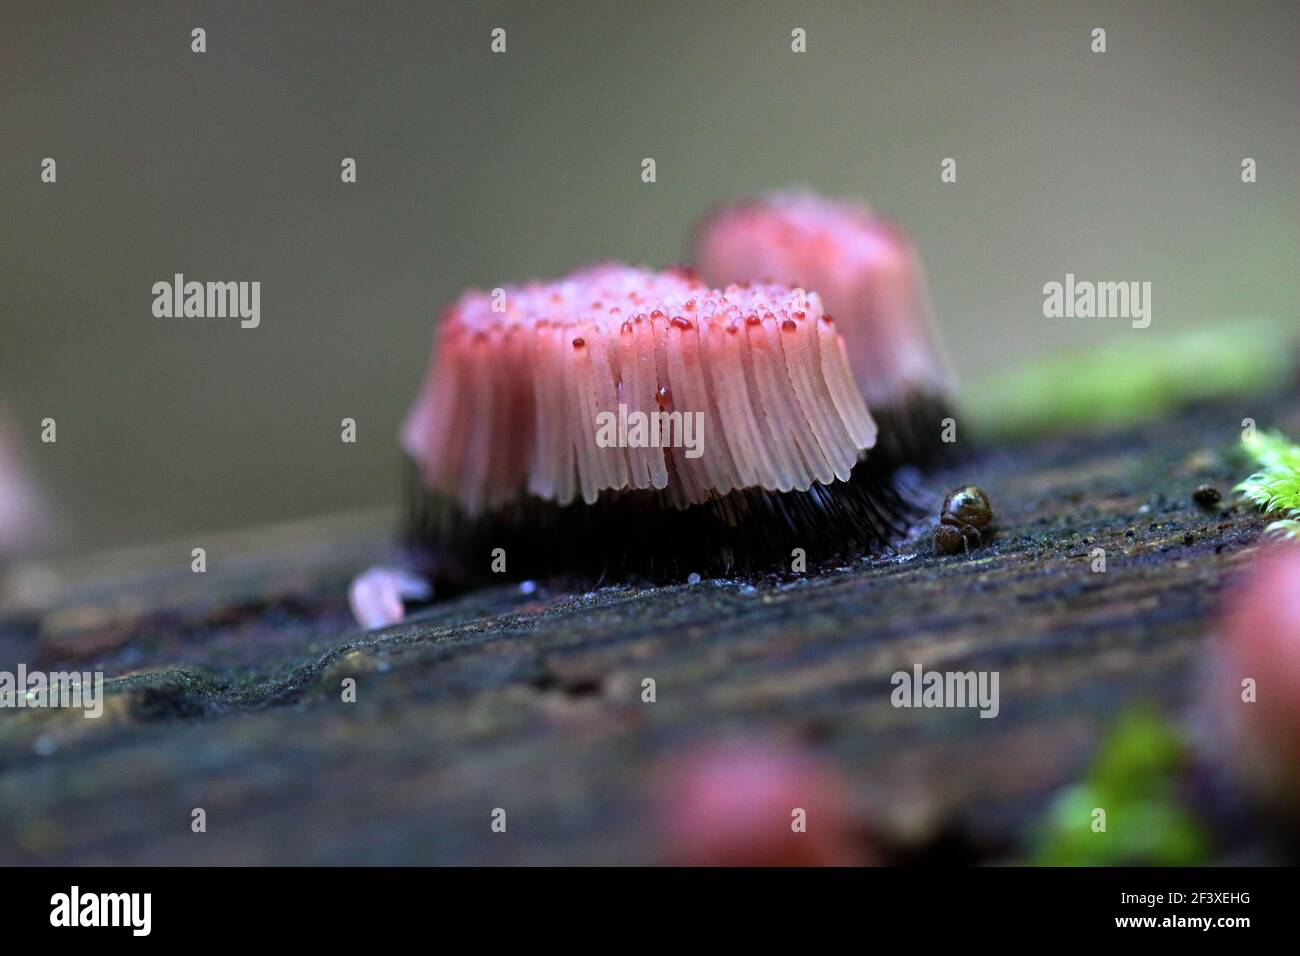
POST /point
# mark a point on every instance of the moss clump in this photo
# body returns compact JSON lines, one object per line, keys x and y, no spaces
{"x":1276,"y":486}
{"x":1134,"y":780}
{"x":1138,"y":379}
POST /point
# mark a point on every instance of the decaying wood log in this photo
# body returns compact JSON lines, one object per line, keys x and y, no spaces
{"x":224,"y":688}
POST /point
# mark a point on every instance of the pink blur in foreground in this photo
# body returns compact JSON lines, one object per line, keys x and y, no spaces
{"x":866,"y":271}
{"x":519,"y":381}
{"x":1259,"y":642}
{"x":759,"y":804}
{"x":24,"y":517}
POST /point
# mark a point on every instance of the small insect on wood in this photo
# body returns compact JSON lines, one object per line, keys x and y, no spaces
{"x":965,"y":513}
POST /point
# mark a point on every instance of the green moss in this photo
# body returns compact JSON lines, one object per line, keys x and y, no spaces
{"x":1140,"y":378}
{"x":1275,"y":488}
{"x":1133,"y":779}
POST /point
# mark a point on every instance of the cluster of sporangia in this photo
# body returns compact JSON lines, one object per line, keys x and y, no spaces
{"x":622,"y":422}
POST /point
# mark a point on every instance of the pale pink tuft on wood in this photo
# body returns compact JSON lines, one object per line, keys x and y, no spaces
{"x":866,"y":271}
{"x":378,"y":595}
{"x":512,"y":400}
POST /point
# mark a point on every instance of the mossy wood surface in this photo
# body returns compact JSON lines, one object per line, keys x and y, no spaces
{"x":225,"y":687}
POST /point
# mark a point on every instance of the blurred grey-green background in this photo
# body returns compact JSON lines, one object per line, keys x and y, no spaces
{"x":476,"y":169}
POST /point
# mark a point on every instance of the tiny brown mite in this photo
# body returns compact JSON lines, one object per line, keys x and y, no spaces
{"x":1207,"y":496}
{"x":948,"y":540}
{"x":965,"y":512}
{"x":967,"y":506}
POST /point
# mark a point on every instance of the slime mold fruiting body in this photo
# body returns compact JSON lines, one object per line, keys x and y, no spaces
{"x":868,"y":274}
{"x":621,"y":421}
